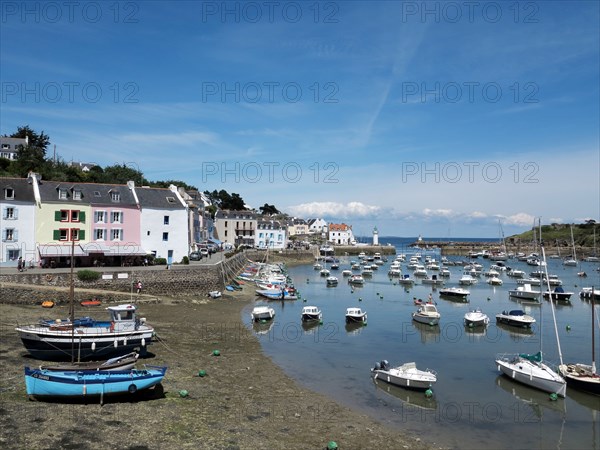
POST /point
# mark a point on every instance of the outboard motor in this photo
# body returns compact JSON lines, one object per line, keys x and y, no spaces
{"x":377,"y":366}
{"x":384,"y":365}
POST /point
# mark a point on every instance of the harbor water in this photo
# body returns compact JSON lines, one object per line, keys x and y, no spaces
{"x":473,"y":405}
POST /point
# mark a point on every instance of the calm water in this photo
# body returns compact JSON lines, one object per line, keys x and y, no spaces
{"x":473,"y":406}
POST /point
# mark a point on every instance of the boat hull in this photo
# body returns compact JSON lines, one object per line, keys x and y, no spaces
{"x":80,"y":384}
{"x":104,"y":344}
{"x":427,"y":320}
{"x":406,"y":376}
{"x":536,"y":375}
{"x":582,"y":380}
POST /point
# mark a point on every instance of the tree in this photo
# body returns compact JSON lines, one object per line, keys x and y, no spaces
{"x":121,"y":174}
{"x":267,"y":209}
{"x":40,"y":141}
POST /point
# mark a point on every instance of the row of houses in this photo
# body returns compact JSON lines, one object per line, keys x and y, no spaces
{"x":45,"y":222}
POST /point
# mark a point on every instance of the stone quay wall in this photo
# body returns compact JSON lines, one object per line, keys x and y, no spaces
{"x":180,"y":280}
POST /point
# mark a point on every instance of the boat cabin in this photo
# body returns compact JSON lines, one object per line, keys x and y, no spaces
{"x":124,"y":317}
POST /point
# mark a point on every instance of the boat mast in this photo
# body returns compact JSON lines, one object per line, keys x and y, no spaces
{"x":593,"y":335}
{"x":552,"y":305}
{"x":573,"y":244}
{"x":72,"y":300}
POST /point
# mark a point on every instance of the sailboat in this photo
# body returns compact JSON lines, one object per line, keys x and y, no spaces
{"x":572,"y":261}
{"x":583,"y":376}
{"x":115,"y":376}
{"x":530,"y":369}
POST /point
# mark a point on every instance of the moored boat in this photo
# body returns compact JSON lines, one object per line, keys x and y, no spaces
{"x":516,"y":318}
{"x":455,"y":292}
{"x":356,"y":315}
{"x":122,"y":334}
{"x":123,"y":362}
{"x":262,"y":313}
{"x":407,"y":375}
{"x":80,"y":384}
{"x":476,"y":318}
{"x":427,"y":314}
{"x":311,"y":314}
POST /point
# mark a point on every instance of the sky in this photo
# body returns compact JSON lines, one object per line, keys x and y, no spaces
{"x":440,"y":119}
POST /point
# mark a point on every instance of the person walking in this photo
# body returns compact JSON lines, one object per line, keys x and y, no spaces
{"x":138,"y":286}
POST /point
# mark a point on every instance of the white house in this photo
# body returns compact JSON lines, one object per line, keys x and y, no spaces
{"x":18,"y":208}
{"x":340,"y":234}
{"x":164,"y":223}
{"x":270,"y":234}
{"x":297,"y":226}
{"x":317,"y":226}
{"x":9,"y":147}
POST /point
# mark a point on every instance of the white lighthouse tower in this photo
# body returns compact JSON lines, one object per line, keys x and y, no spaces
{"x":375,"y":236}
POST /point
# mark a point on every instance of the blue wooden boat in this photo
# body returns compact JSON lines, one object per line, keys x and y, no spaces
{"x":81,"y":384}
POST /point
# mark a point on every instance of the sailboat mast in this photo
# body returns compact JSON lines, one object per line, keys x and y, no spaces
{"x":593,"y":334}
{"x":551,"y":304}
{"x":72,"y":301}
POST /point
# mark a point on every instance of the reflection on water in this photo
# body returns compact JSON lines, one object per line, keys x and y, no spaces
{"x":262,"y":327}
{"x":411,"y":397}
{"x":354,"y":327}
{"x":473,"y":407}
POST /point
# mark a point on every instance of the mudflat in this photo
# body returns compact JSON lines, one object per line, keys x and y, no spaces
{"x":244,"y":401}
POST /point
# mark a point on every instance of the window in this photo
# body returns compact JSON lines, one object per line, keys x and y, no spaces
{"x":9,"y":193}
{"x":64,"y":215}
{"x":96,"y":193}
{"x":63,"y":194}
{"x":165,"y":236}
{"x":9,"y":235}
{"x":115,"y":196}
{"x":9,"y":213}
{"x":171,"y":199}
{"x":116,"y":217}
{"x":74,"y":216}
{"x":77,"y":195}
{"x":63,"y":234}
{"x":13,"y":254}
{"x":166,"y":220}
{"x":100,"y":217}
{"x":116,"y":234}
{"x":100,"y":234}
{"x":75,"y":234}
{"x":6,"y":146}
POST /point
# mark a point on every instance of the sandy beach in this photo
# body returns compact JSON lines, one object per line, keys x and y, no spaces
{"x":244,"y":402}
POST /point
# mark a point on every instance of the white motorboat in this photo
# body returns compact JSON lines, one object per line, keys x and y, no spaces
{"x":332,"y":280}
{"x":367,"y":272}
{"x":494,"y":281}
{"x":324,"y":272}
{"x":420,"y":271}
{"x":407,"y":375}
{"x":530,"y":370}
{"x":444,"y":272}
{"x":356,"y":315}
{"x":476,"y":318}
{"x":395,"y":272}
{"x":515,"y":273}
{"x":433,"y":280}
{"x":516,"y":318}
{"x":356,"y":279}
{"x":311,"y":313}
{"x":467,"y":280}
{"x":427,"y":314}
{"x":589,"y":293}
{"x":317,"y":266}
{"x":406,"y":280}
{"x":262,"y":313}
{"x":525,"y":292}
{"x":346,"y":273}
{"x":558,"y":294}
{"x":215,"y":294}
{"x":454,"y":292}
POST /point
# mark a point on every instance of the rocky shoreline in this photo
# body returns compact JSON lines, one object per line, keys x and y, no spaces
{"x":245,"y":401}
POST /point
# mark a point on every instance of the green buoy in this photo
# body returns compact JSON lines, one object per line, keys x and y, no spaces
{"x":553,"y":397}
{"x":183,"y":393}
{"x":216,"y":353}
{"x":332,"y":445}
{"x":568,"y":327}
{"x":202,"y":373}
{"x":428,"y":393}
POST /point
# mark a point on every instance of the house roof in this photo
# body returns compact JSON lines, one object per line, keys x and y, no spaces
{"x":91,"y":193}
{"x":158,"y":198}
{"x":339,"y":227}
{"x":235,"y":215}
{"x":23,"y":191}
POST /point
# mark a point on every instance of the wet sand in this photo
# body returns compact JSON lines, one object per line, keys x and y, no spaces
{"x":244,"y":402}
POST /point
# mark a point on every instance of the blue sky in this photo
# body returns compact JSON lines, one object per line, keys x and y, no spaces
{"x":435,"y":118}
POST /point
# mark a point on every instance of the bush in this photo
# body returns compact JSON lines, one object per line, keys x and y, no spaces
{"x":160,"y":261}
{"x":185,"y":260}
{"x":88,"y":275}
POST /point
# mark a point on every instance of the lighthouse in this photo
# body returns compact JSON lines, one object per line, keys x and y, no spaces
{"x":375,"y":236}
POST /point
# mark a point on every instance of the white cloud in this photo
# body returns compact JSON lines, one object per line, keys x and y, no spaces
{"x":334,"y":209}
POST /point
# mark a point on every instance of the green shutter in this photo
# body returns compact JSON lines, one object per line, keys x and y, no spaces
{"x":81,"y":235}
{"x":56,"y":235}
{"x":82,"y":216}
{"x":57,"y":216}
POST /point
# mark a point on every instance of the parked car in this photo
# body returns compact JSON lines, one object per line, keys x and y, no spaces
{"x":204,"y":252}
{"x":195,"y":256}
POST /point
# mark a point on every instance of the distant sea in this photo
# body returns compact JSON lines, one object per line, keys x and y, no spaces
{"x":402,"y":242}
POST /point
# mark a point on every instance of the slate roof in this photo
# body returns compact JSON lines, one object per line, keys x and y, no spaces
{"x":23,"y":191}
{"x":160,"y":198}
{"x":91,"y":193}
